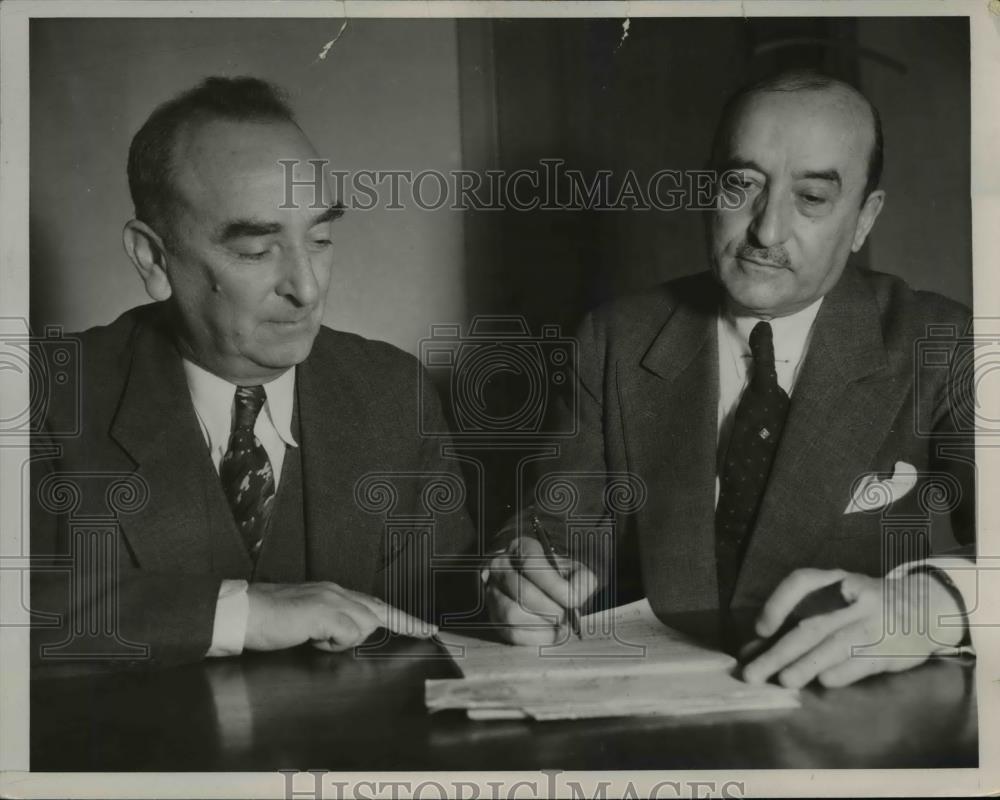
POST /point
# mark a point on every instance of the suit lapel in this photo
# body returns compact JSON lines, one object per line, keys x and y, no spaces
{"x":157,"y":428}
{"x":337,"y":442}
{"x":843,"y":402}
{"x":670,"y":421}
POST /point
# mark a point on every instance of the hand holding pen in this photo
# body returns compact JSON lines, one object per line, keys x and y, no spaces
{"x":553,"y":558}
{"x":532,"y":592}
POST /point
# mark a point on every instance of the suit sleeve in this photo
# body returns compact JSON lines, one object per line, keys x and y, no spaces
{"x":573,"y":484}
{"x":954,"y":443}
{"x":952,"y":455}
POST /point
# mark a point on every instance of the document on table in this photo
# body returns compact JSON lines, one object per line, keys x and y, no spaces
{"x":628,"y":663}
{"x":628,"y":639}
{"x":605,"y":695}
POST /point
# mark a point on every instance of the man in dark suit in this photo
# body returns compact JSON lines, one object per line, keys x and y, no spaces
{"x":777,"y":415}
{"x":241,"y":427}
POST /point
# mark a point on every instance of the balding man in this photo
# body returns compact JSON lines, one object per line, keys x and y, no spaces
{"x":777,"y":412}
{"x":246,"y":425}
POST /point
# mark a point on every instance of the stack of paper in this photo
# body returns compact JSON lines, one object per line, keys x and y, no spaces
{"x":627,"y":664}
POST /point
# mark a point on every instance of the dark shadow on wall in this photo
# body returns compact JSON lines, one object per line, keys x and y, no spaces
{"x":44,"y":307}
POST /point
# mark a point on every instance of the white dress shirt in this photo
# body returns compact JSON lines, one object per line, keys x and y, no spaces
{"x":792,"y":335}
{"x":213,"y":405}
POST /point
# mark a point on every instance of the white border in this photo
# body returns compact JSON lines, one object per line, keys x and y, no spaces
{"x":985,"y":64}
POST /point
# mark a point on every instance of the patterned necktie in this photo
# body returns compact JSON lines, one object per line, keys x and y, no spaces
{"x":245,"y":470}
{"x":757,"y":425}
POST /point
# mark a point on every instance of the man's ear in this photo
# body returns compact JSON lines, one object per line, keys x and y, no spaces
{"x":866,"y":219}
{"x":145,"y":248}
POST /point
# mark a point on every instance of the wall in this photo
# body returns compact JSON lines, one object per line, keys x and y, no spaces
{"x":925,"y":231}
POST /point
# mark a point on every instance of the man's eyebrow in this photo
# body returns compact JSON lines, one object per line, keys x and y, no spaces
{"x":240,"y":228}
{"x":830,"y":175}
{"x":335,"y":211}
{"x":736,"y":162}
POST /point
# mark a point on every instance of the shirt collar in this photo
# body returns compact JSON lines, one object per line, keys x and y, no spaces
{"x":213,"y":401}
{"x":791,"y":332}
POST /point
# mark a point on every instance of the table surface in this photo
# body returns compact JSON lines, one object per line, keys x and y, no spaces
{"x":303,"y":709}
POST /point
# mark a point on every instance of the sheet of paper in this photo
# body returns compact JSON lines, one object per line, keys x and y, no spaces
{"x":571,"y":697}
{"x":625,"y":640}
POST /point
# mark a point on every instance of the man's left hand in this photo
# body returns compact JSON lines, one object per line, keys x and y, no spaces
{"x":889,"y":625}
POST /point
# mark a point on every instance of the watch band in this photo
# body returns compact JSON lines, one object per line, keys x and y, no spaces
{"x":945,"y":580}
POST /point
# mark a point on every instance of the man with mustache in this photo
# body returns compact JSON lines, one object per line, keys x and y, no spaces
{"x":779,"y":417}
{"x":248,"y":423}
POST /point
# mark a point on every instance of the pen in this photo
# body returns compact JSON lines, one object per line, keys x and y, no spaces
{"x":550,"y":554}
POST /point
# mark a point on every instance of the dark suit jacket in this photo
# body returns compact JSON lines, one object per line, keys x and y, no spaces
{"x":357,"y":405}
{"x":864,"y":399}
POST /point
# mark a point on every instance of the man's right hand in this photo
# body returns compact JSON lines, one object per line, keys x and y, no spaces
{"x":528,"y":599}
{"x":327,"y":615}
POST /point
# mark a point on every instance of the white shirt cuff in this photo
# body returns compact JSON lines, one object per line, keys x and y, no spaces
{"x":962,"y":572}
{"x":232,"y":611}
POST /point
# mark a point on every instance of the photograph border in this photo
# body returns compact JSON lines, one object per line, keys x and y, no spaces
{"x":984,"y":21}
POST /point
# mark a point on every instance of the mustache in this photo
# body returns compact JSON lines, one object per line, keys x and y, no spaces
{"x":776,"y":255}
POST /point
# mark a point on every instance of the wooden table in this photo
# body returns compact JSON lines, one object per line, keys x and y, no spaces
{"x":303,"y":709}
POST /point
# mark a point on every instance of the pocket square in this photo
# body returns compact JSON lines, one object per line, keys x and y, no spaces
{"x":872,"y":493}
